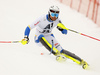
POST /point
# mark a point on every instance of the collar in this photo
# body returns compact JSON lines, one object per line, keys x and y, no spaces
{"x":48,"y":18}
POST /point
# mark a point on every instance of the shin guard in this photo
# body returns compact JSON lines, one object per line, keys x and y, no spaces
{"x":71,"y":56}
{"x":48,"y":46}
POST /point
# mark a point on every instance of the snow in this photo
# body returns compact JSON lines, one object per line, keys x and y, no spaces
{"x":18,"y":59}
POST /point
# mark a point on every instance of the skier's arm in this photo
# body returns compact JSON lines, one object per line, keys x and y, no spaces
{"x":27,"y":31}
{"x":26,"y":35}
{"x":62,"y":28}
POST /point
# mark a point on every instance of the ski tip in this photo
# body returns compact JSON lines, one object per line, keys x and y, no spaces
{"x":86,"y":67}
{"x":61,"y":58}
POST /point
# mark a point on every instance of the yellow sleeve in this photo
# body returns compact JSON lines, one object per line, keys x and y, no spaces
{"x":60,"y":26}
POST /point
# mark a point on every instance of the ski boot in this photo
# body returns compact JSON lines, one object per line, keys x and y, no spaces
{"x":61,"y":58}
{"x":84,"y":64}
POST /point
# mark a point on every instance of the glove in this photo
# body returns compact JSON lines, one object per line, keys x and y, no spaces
{"x":25,"y":40}
{"x":64,"y":31}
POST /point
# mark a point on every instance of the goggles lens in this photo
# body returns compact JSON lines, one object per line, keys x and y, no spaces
{"x":54,"y":14}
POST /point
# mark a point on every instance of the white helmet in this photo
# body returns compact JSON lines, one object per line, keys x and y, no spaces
{"x":54,"y":9}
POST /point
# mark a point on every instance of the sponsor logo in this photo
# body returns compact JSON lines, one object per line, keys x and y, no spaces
{"x":36,"y":23}
{"x":56,"y":44}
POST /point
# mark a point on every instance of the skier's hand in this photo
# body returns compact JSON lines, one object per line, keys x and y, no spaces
{"x":64,"y":31}
{"x":25,"y":40}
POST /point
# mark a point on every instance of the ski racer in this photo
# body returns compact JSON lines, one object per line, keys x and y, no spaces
{"x":44,"y":36}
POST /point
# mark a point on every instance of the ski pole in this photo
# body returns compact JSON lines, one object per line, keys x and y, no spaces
{"x":52,"y":47}
{"x":10,"y":41}
{"x":83,"y":34}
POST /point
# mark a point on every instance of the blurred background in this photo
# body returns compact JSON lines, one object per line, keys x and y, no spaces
{"x":90,"y":8}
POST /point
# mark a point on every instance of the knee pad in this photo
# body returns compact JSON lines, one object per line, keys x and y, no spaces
{"x":39,"y":37}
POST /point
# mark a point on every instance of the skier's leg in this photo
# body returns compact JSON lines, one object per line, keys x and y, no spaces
{"x":47,"y":43}
{"x":38,"y":43}
{"x":55,"y":43}
{"x":75,"y":58}
{"x":71,"y":56}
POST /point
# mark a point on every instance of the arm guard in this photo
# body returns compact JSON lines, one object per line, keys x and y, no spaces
{"x":61,"y":27}
{"x":27,"y":31}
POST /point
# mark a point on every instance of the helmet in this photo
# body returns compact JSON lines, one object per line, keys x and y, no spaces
{"x":55,"y":10}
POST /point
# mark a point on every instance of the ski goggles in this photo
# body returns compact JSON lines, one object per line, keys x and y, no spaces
{"x":54,"y":11}
{"x":54,"y":14}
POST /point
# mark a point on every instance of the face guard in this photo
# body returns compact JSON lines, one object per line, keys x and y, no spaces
{"x":54,"y":11}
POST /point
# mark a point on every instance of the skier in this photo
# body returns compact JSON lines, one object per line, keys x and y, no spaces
{"x":44,"y":37}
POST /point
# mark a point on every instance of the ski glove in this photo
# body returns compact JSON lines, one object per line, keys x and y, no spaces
{"x":25,"y":40}
{"x":64,"y":31}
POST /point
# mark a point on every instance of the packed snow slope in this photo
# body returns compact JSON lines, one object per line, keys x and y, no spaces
{"x":18,"y":59}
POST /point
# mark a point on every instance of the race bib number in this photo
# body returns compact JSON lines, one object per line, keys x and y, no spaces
{"x":47,"y":29}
